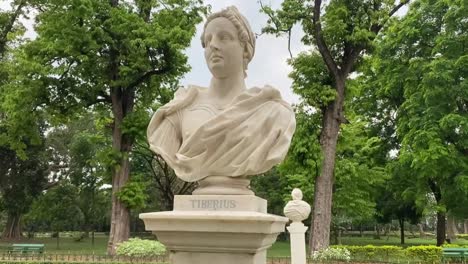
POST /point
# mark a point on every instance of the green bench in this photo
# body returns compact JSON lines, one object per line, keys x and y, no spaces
{"x":459,"y":253}
{"x":27,"y":248}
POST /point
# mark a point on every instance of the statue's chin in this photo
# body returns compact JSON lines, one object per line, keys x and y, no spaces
{"x":218,"y":72}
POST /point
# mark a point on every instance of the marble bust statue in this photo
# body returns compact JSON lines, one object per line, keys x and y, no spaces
{"x":225,"y":133}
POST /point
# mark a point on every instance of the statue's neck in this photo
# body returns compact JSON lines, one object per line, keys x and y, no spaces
{"x":223,"y":90}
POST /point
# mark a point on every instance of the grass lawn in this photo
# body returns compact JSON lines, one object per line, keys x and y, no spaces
{"x":394,"y":241}
{"x":67,"y":245}
{"x":279,"y":249}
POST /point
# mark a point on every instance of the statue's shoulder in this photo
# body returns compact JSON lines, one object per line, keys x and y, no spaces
{"x":183,"y":97}
{"x":271,"y":94}
{"x":185,"y":93}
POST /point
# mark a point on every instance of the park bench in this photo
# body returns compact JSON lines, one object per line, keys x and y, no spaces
{"x":458,"y":253}
{"x":27,"y":248}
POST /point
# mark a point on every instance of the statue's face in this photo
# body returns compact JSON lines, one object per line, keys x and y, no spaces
{"x":223,"y":49}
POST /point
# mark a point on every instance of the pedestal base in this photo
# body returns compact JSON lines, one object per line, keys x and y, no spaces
{"x":215,"y":237}
{"x":218,"y":258}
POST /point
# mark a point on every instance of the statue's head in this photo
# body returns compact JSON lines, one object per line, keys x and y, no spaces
{"x":229,"y":42}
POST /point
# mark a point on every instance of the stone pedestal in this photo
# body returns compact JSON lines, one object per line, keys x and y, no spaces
{"x":298,"y":250}
{"x":218,"y":229}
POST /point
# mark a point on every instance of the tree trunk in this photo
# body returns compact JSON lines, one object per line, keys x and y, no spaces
{"x":440,"y":228}
{"x":465,"y":226}
{"x":322,"y":213}
{"x":421,"y":231}
{"x":377,"y":231}
{"x":440,"y":232}
{"x":122,"y":104}
{"x":401,"y":221}
{"x":120,"y":219}
{"x":451,"y":228}
{"x":12,"y":229}
{"x":324,"y":184}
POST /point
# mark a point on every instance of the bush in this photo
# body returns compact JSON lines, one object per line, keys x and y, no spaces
{"x":427,"y":254}
{"x":462,"y":236}
{"x":374,"y":252}
{"x":136,"y":247}
{"x":454,"y":246}
{"x":332,"y":253}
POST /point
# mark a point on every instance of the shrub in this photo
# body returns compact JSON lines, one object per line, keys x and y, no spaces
{"x":462,"y":236}
{"x":374,"y":252}
{"x":332,"y":253}
{"x":454,"y":246}
{"x":428,"y":254}
{"x":136,"y":247}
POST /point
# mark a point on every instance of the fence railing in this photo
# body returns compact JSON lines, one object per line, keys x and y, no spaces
{"x":77,"y":258}
{"x":83,"y":258}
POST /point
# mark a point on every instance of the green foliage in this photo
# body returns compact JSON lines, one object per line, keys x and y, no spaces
{"x":302,"y":164}
{"x":136,"y":247}
{"x":417,"y":79}
{"x":133,"y":194}
{"x":332,"y":253}
{"x":359,"y":171}
{"x":454,"y":246}
{"x":57,"y":209}
{"x":428,"y":254}
{"x":311,"y":80}
{"x":21,"y":180}
{"x":462,"y":236}
{"x":271,"y":187}
{"x":373,"y":252}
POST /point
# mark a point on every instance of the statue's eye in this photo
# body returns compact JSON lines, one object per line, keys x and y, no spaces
{"x":208,"y":39}
{"x":225,"y":36}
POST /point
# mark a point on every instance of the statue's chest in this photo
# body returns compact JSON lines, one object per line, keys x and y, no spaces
{"x":195,"y":116}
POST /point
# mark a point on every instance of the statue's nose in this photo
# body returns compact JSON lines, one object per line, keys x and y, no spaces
{"x":214,"y":44}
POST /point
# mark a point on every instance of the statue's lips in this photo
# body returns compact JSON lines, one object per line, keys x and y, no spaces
{"x":216,"y":57}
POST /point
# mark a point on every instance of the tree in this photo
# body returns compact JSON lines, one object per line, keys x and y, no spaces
{"x":342,"y":32}
{"x":111,"y":55}
{"x":75,"y":149}
{"x":419,"y":74}
{"x":398,"y":199}
{"x":57,"y":209}
{"x":358,"y":171}
{"x":9,"y":24}
{"x":21,"y":181}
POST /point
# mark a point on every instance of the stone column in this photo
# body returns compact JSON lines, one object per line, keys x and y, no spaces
{"x":297,"y":210}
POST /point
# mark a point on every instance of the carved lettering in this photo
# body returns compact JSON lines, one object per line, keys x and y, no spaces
{"x":213,"y":204}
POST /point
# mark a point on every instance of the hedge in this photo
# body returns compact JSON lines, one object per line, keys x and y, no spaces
{"x":428,"y":254}
{"x":425,"y":254}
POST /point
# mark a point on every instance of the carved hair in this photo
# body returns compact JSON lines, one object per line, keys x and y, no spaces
{"x":246,"y":35}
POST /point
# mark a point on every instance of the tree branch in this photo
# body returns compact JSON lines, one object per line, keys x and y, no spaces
{"x":145,"y":77}
{"x":322,"y":46}
{"x":8,"y":28}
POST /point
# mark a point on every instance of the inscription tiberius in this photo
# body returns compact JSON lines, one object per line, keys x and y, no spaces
{"x":213,"y":204}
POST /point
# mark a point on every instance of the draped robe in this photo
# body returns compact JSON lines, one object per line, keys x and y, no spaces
{"x":247,"y":137}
